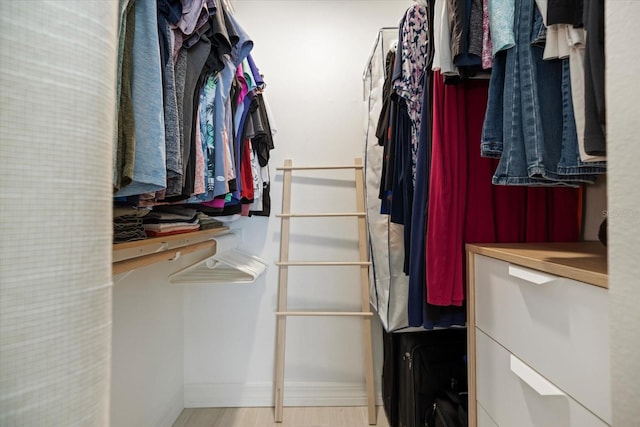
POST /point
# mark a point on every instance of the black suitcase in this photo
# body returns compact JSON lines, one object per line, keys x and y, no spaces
{"x":390,"y":376}
{"x":449,"y":410}
{"x":417,"y":367}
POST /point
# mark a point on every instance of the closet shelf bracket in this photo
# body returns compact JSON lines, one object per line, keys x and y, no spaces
{"x":129,"y":256}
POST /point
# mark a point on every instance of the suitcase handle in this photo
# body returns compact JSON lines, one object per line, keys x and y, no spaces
{"x":533,"y":379}
{"x":531,"y":276}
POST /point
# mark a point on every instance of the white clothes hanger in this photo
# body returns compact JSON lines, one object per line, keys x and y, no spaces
{"x":228,"y":265}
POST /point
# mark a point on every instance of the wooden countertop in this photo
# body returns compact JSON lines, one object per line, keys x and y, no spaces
{"x":582,"y":261}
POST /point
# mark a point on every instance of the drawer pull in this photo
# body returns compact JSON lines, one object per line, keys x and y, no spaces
{"x":533,"y":379}
{"x":532,"y":276}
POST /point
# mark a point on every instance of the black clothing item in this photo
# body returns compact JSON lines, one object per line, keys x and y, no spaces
{"x":262,"y":143}
{"x":602,"y":232}
{"x":389,"y":157}
{"x":211,"y":211}
{"x":249,"y":130}
{"x":266,"y":201}
{"x":402,"y":182}
{"x":595,"y":111}
{"x":382,"y":131}
{"x":220,"y":40}
{"x":196,"y":59}
{"x":171,"y":10}
{"x":565,"y":12}
{"x":469,"y":59}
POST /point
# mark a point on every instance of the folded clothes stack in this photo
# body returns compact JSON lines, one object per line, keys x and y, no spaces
{"x":169,"y":220}
{"x":128,"y":224}
{"x":207,"y":222}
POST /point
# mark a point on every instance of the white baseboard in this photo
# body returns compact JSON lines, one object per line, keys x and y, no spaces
{"x":210,"y":395}
{"x":172,"y":411}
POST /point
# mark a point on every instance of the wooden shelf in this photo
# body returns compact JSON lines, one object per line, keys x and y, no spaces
{"x":582,"y":261}
{"x":131,"y":255}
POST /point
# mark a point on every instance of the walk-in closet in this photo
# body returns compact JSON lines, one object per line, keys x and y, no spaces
{"x":328,"y":213}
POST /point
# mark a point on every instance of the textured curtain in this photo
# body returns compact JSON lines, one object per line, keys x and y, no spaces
{"x":57,"y":91}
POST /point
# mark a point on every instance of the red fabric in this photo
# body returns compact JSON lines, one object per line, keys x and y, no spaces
{"x":480,"y":208}
{"x":447,"y":196}
{"x":564,"y":214}
{"x":151,"y":233}
{"x":465,"y":207}
{"x":246,"y":172}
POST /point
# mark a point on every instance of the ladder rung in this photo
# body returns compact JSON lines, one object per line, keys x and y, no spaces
{"x":320,"y":215}
{"x":293,"y":168}
{"x":321,"y":263}
{"x":324,"y":313}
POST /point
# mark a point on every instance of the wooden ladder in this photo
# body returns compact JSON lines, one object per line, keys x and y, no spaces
{"x":285,"y":263}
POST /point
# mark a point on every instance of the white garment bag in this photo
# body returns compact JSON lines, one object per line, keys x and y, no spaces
{"x":389,"y":285}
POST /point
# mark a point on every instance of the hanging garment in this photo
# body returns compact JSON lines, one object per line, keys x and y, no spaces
{"x":576,"y":68}
{"x":442,"y":60}
{"x":487,"y":45}
{"x":196,"y":58}
{"x":411,"y":63}
{"x":172,"y":124}
{"x":594,"y":62}
{"x":464,"y":207}
{"x":469,"y":58}
{"x":537,"y":100}
{"x":447,"y":193}
{"x":417,"y":255}
{"x":124,"y":135}
{"x":501,"y":19}
{"x":149,"y":173}
{"x":221,"y":129}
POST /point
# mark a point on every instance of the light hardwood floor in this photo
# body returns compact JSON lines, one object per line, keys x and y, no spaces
{"x":354,"y":416}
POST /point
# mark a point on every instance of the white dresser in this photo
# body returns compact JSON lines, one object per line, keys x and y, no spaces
{"x":538,"y":335}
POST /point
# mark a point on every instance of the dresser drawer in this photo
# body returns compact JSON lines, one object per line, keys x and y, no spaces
{"x":512,"y":394}
{"x":556,"y":325}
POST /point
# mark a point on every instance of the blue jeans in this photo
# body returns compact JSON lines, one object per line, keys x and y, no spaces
{"x":492,"y":128}
{"x":539,"y":137}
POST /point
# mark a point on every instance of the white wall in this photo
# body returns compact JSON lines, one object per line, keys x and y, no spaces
{"x":624,"y":207}
{"x":312,"y":54}
{"x":147,"y":348}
